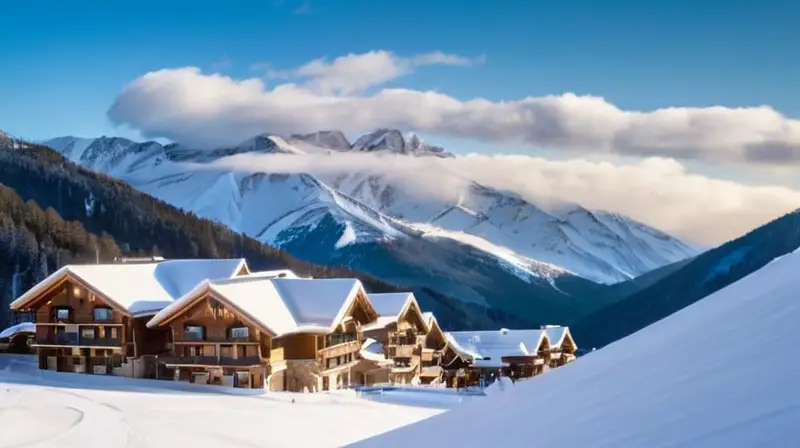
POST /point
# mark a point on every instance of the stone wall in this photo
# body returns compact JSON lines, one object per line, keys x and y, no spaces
{"x":295,"y":375}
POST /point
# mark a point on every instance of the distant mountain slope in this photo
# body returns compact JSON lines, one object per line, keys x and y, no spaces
{"x":600,"y":246}
{"x":704,"y":275}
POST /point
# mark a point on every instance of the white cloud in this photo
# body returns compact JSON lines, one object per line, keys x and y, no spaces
{"x":657,"y":191}
{"x":201,"y":109}
{"x":355,"y":73}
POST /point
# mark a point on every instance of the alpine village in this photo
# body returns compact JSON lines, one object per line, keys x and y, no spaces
{"x":216,"y":322}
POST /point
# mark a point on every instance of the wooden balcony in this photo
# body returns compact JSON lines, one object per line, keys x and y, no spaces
{"x":339,"y":349}
{"x":53,"y":338}
{"x":210,"y":361}
{"x":402,"y":351}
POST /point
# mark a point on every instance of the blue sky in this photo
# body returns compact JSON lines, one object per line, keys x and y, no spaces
{"x":66,"y":61}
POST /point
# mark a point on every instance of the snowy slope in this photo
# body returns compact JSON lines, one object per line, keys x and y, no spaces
{"x":719,"y":373}
{"x":41,"y":409}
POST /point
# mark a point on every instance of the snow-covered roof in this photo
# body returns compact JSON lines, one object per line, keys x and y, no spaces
{"x":495,"y":344}
{"x":140,"y":288}
{"x":277,"y":273}
{"x":390,"y":306}
{"x":281,"y":305}
{"x":556,"y":335}
{"x":24,"y":327}
{"x":430,"y":319}
{"x":372,"y":350}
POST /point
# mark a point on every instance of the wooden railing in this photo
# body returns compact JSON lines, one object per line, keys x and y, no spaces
{"x":75,"y":340}
{"x":210,"y":360}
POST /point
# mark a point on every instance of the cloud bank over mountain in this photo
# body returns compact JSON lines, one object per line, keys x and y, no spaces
{"x":657,"y":191}
{"x":199,"y":108}
{"x":357,"y":93}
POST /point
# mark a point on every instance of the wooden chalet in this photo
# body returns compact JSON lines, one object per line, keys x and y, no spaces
{"x":433,"y":349}
{"x":515,"y":353}
{"x":319,"y":345}
{"x":562,"y":346}
{"x":402,"y":328}
{"x":91,"y":318}
{"x":217,"y":336}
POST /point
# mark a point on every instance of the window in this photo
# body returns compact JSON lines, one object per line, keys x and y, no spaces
{"x":62,"y":314}
{"x":194,"y":333}
{"x":102,"y":314}
{"x":238,"y":333}
{"x":87,"y":333}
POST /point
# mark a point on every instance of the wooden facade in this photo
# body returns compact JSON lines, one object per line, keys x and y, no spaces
{"x":212,"y":342}
{"x":338,"y":352}
{"x":80,"y":330}
{"x":461,"y":370}
{"x":432,"y":354}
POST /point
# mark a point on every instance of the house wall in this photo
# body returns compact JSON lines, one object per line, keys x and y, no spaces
{"x":217,"y":319}
{"x":76,"y":297}
{"x":150,"y":341}
{"x":79,"y":354}
{"x":294,"y":375}
{"x":214,"y":316}
{"x":296,"y":346}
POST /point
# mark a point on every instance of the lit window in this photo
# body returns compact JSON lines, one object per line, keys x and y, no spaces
{"x":87,"y":333}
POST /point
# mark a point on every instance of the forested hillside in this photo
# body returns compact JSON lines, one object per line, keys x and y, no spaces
{"x":53,"y":212}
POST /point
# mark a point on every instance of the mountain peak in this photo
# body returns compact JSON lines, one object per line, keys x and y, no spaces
{"x":330,"y":139}
{"x":392,"y":140}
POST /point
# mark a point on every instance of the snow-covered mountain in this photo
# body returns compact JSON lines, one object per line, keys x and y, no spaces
{"x":504,"y":260}
{"x":596,"y":245}
{"x":648,"y":390}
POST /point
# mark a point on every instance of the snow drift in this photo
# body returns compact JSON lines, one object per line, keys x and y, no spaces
{"x":721,"y":372}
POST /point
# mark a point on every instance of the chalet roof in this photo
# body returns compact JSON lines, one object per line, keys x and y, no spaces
{"x":276,"y":273}
{"x":390,"y":306}
{"x":140,"y":288}
{"x":24,"y":327}
{"x":495,"y":344}
{"x":429,"y":318}
{"x":556,"y":334}
{"x":372,"y":350}
{"x":282,"y":305}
